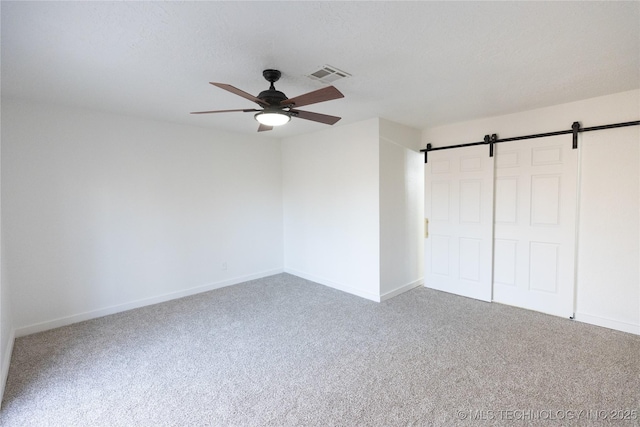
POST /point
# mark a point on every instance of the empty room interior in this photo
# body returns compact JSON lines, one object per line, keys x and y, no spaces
{"x":320,"y":213}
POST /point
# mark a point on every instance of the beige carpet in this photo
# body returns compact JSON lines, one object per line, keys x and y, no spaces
{"x":283,"y":351}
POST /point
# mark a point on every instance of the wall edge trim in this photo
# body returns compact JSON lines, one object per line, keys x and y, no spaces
{"x":335,"y":285}
{"x":118,"y":308}
{"x":4,"y":373}
{"x":402,"y":289}
{"x":608,"y":323}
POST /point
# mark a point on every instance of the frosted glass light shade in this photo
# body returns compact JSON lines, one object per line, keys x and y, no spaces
{"x":272,"y":119}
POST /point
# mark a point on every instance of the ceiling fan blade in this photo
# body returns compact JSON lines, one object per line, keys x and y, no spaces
{"x":316,"y":117}
{"x":263,"y":128}
{"x":239,"y":92}
{"x":325,"y":94}
{"x":224,"y":111}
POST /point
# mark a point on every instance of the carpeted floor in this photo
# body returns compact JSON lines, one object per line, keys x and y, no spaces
{"x":283,"y":351}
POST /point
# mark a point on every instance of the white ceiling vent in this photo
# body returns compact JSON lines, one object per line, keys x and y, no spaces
{"x":328,"y":74}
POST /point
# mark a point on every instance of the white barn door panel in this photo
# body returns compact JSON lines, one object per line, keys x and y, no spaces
{"x":459,"y":208}
{"x":535,"y":224}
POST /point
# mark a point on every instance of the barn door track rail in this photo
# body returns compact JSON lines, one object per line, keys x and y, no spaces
{"x":491,"y":140}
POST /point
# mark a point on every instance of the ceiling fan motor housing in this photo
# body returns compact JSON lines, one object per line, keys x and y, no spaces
{"x":272,"y":97}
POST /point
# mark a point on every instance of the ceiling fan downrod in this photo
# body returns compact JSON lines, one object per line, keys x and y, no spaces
{"x":272,"y":96}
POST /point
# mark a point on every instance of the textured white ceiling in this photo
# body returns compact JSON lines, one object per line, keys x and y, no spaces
{"x":417,"y":63}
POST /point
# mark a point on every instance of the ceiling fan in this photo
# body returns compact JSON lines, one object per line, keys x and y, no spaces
{"x":277,"y":109}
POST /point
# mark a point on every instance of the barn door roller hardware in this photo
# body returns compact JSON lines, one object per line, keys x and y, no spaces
{"x":490,"y":140}
{"x":493,"y":139}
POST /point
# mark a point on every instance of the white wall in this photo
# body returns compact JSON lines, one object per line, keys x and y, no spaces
{"x":401,"y":209}
{"x":6,"y":318}
{"x":103,"y":213}
{"x":401,"y":135}
{"x":609,"y":247}
{"x":608,"y":271}
{"x":353,"y":208}
{"x":331,"y":199}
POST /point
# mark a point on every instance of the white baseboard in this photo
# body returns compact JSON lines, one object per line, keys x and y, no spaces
{"x":401,"y":289}
{"x":608,"y":323}
{"x":93,"y":314}
{"x":6,"y":361}
{"x":339,"y":286}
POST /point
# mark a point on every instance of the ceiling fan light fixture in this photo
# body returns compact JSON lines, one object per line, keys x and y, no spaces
{"x":277,"y":109}
{"x":270,"y":118}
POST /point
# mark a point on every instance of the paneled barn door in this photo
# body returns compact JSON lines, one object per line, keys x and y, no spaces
{"x":505,"y":231}
{"x":532,"y":253}
{"x":535,"y":225}
{"x":459,"y":208}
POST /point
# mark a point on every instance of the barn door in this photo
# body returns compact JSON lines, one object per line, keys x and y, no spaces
{"x":459,"y":210}
{"x":535,"y":224}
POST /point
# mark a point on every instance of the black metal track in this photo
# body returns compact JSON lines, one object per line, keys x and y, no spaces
{"x":615,"y":125}
{"x":575,"y":129}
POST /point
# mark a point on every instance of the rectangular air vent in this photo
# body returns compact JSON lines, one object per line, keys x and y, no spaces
{"x":328,"y":74}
